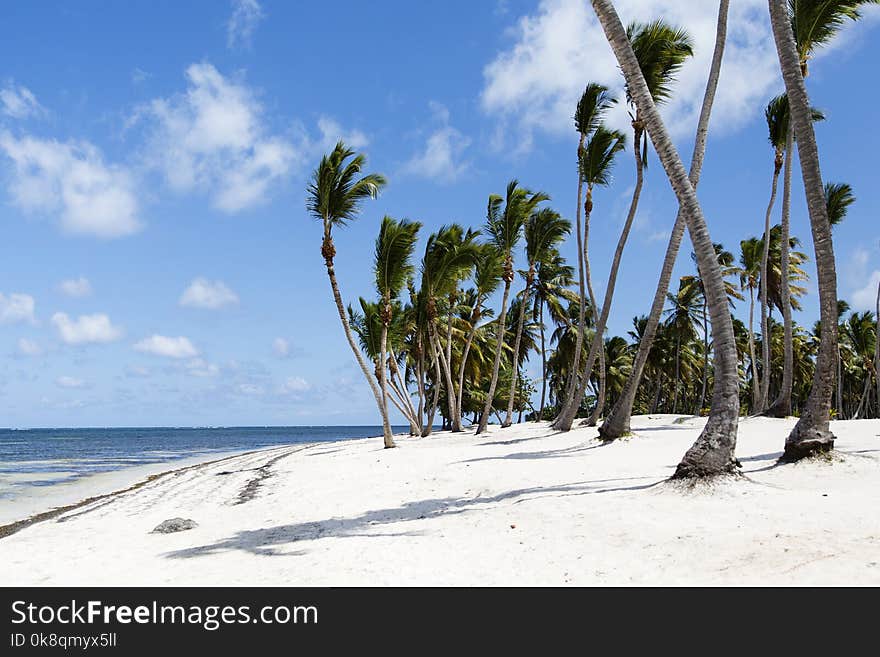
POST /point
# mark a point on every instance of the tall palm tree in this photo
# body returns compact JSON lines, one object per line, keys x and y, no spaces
{"x":591,"y":110}
{"x":544,"y":230}
{"x":713,"y":452}
{"x":488,"y":269}
{"x":392,"y":268}
{"x":781,"y":137}
{"x":334,"y":196}
{"x":750,"y":261}
{"x":450,"y":254}
{"x":617,"y":423}
{"x":504,"y":228}
{"x":811,"y":434}
{"x":685,"y":313}
{"x":660,"y":50}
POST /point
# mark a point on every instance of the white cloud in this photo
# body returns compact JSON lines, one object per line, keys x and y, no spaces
{"x":28,"y":347}
{"x":281,"y":347}
{"x":535,"y":84}
{"x":213,"y":139}
{"x":865,"y":298}
{"x":72,"y":181}
{"x":211,"y":295}
{"x":19,"y":102}
{"x":332,"y":132}
{"x":86,"y":329}
{"x":76,"y":287}
{"x":441,"y":157}
{"x":17,"y":308}
{"x":246,"y":15}
{"x":160,"y":345}
{"x":69,"y":382}
{"x":295,"y":385}
{"x":201,"y":368}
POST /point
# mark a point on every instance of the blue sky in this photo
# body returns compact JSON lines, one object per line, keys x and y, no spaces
{"x":158,"y":266}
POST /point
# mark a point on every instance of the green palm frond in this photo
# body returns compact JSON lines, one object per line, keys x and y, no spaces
{"x":815,"y":23}
{"x":777,"y":116}
{"x":335,"y":192}
{"x":544,"y":230}
{"x":592,"y":107}
{"x":597,"y":157}
{"x":661,"y":51}
{"x":394,"y":248}
{"x":838,"y":198}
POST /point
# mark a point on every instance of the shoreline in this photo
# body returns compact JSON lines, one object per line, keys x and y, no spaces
{"x":519,"y":506}
{"x":68,"y":496}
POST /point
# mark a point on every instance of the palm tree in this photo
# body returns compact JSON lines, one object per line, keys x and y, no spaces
{"x":812,"y":434}
{"x":544,"y":230}
{"x":591,"y":110}
{"x":504,"y":228}
{"x":838,"y":198}
{"x":617,"y":423}
{"x":750,"y":260}
{"x":487,"y":276}
{"x":685,"y":313}
{"x":553,"y":279}
{"x":392,"y":268}
{"x":713,"y":452}
{"x":334,"y":196}
{"x":661,"y":51}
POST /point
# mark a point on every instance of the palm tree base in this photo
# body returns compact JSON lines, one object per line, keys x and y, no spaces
{"x":779,"y":409}
{"x":610,"y":431}
{"x":815,"y":445}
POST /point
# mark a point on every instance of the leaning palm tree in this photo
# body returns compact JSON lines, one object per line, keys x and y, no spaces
{"x":811,"y":434}
{"x":591,"y":109}
{"x":661,"y":51}
{"x":392,"y":268}
{"x":544,"y":230}
{"x":749,"y":276}
{"x":334,"y":196}
{"x":617,"y":423}
{"x":504,"y":229}
{"x":713,"y":452}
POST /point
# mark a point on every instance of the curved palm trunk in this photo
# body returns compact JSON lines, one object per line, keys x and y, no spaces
{"x":454,"y":408}
{"x":329,"y":251}
{"x":502,"y":318}
{"x":582,"y":241}
{"x":475,"y":317}
{"x":705,"y":358}
{"x":544,"y":362}
{"x":756,"y":393}
{"x":432,"y":409}
{"x":445,"y":368}
{"x":617,"y":423}
{"x":383,"y":386}
{"x":811,"y":434}
{"x":713,"y":452}
{"x":600,"y":399}
{"x":566,"y":417}
{"x":765,"y":306}
{"x":877,"y":349}
{"x":514,"y":379}
{"x":782,"y":406}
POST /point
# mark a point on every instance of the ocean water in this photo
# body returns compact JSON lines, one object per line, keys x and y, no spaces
{"x":32,"y":458}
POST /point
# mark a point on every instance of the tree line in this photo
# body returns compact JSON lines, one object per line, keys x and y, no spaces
{"x":430,"y":344}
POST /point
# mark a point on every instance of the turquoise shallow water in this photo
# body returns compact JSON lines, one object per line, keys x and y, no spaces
{"x":47,"y":457}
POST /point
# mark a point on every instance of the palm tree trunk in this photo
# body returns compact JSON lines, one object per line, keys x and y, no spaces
{"x":514,"y":378}
{"x":756,"y":393}
{"x":544,"y":360}
{"x":569,"y":412}
{"x":600,"y":397}
{"x":445,"y":368}
{"x":432,"y":409}
{"x":420,"y":379}
{"x":877,"y":349}
{"x":811,"y":434}
{"x":677,"y":374}
{"x":582,"y":295}
{"x":454,"y":409}
{"x":864,"y":396}
{"x":502,"y":318}
{"x":713,"y":452}
{"x":475,"y":316}
{"x":383,"y":385}
{"x":705,"y":357}
{"x":782,"y":406}
{"x":328,"y":251}
{"x":765,"y":306}
{"x":617,"y":423}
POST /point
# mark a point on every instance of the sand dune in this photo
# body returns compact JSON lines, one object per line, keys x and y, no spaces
{"x":519,"y":506}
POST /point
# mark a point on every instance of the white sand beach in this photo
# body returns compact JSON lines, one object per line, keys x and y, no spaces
{"x":519,"y":506}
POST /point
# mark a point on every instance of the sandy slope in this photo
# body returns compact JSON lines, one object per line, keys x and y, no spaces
{"x":516,"y":506}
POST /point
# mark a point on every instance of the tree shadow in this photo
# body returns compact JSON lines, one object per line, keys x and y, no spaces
{"x":546,"y":454}
{"x":514,"y":441}
{"x":265,"y":542}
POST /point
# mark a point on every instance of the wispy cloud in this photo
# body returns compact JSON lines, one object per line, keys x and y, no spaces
{"x":441,"y":156}
{"x":19,"y":102}
{"x":86,"y":329}
{"x":246,"y":15}
{"x":17,"y":308}
{"x":211,"y":295}
{"x":76,"y":287}
{"x":161,"y":345}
